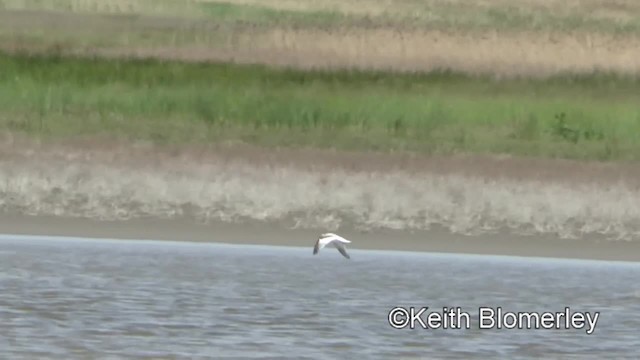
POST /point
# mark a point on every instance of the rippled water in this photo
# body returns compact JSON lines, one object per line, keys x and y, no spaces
{"x":69,"y":298}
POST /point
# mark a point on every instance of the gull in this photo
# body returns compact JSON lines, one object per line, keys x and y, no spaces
{"x":331,"y":238}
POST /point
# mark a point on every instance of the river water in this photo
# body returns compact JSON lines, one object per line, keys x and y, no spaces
{"x":66,"y":298}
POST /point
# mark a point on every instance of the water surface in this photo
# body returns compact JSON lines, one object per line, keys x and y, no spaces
{"x":69,"y":298}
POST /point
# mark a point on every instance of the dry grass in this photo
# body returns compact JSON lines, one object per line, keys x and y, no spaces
{"x":499,"y":54}
{"x":503,"y":54}
{"x":184,"y":32}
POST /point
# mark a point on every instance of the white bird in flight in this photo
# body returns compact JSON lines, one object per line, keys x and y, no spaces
{"x":331,"y":238}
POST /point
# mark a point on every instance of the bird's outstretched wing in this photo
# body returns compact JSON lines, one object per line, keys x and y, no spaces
{"x":342,"y":249}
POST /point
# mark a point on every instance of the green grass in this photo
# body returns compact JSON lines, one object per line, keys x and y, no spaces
{"x":584,"y":117}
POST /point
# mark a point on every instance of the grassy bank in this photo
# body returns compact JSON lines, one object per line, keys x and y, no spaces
{"x":587,"y":117}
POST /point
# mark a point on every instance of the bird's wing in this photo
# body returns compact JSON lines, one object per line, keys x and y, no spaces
{"x":343,"y":240}
{"x":316,"y":247}
{"x":332,"y":236}
{"x":342,"y":249}
{"x":321,"y":243}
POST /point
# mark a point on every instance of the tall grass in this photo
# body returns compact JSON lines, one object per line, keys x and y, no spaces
{"x":588,"y":117}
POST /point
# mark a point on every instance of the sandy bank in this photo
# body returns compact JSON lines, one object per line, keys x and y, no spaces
{"x":274,"y":234}
{"x":381,"y":201}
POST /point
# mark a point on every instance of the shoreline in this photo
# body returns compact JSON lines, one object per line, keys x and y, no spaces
{"x":256,"y":233}
{"x":68,"y":187}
